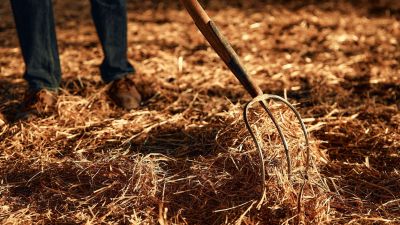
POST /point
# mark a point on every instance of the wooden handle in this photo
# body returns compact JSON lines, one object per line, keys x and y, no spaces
{"x":220,"y":45}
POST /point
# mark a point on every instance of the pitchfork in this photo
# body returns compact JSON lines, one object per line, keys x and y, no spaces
{"x":231,"y":59}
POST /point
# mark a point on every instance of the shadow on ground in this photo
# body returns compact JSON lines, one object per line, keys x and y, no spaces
{"x":11,"y":93}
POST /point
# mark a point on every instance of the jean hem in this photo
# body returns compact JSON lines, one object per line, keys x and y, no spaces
{"x":37,"y":88}
{"x":118,"y":77}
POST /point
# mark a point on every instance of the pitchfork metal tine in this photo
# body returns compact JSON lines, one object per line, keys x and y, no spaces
{"x":262,"y":99}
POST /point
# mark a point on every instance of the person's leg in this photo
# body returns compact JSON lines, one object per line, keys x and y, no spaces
{"x":36,"y":31}
{"x":111,"y":23}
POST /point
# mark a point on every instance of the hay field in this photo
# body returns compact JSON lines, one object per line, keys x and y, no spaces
{"x":185,"y":157}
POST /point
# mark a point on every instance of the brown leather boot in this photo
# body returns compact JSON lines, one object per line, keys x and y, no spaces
{"x":124,"y":93}
{"x":38,"y":104}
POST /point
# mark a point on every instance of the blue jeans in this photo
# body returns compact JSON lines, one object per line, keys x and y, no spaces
{"x":34,"y":20}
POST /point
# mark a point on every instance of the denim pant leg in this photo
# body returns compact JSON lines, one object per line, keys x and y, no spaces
{"x":36,"y":31}
{"x":111,"y":23}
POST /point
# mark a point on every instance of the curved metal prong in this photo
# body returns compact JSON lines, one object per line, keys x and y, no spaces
{"x":262,"y":99}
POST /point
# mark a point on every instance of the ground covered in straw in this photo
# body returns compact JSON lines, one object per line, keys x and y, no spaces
{"x":185,"y":157}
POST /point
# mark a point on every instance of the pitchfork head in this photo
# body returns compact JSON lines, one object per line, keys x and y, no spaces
{"x":262,"y":99}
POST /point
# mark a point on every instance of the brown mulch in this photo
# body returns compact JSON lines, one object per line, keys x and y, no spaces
{"x":185,"y":157}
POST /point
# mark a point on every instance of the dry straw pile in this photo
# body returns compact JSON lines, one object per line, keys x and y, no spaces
{"x":148,"y":166}
{"x":186,"y":157}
